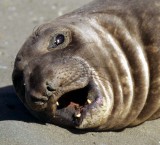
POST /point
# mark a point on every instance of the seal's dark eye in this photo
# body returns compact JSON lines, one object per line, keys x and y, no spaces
{"x":59,"y":39}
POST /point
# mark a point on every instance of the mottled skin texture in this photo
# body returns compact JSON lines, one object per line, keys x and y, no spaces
{"x":110,"y":56}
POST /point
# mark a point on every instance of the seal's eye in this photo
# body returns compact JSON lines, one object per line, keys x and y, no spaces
{"x":59,"y":39}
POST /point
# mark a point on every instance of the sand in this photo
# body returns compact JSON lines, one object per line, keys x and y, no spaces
{"x":17,"y":127}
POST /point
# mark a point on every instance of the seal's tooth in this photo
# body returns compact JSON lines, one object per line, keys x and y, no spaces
{"x":89,"y":101}
{"x":57,"y":103}
{"x":78,"y":115}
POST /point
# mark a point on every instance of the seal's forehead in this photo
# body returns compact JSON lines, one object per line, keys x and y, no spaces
{"x":50,"y":29}
{"x":60,"y":24}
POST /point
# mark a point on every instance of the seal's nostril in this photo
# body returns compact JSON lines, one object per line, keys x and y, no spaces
{"x":50,"y":88}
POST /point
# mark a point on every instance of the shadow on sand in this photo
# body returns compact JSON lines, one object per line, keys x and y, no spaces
{"x":11,"y":107}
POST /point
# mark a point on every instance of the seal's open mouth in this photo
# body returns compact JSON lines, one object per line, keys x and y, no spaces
{"x":77,"y":97}
{"x":78,"y":102}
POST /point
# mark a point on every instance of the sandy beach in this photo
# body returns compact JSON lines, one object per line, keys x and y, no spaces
{"x":17,"y":127}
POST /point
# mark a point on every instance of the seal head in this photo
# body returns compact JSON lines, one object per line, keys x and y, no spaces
{"x":53,"y":78}
{"x":95,"y":68}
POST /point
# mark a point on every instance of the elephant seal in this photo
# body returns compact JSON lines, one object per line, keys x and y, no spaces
{"x":97,"y":67}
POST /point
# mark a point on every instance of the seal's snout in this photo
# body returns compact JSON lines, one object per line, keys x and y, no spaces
{"x":62,"y":89}
{"x":46,"y":84}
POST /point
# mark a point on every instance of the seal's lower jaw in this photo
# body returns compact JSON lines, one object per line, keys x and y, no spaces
{"x":73,"y":106}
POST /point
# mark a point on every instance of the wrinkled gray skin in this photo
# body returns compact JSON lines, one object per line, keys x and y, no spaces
{"x":105,"y":75}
